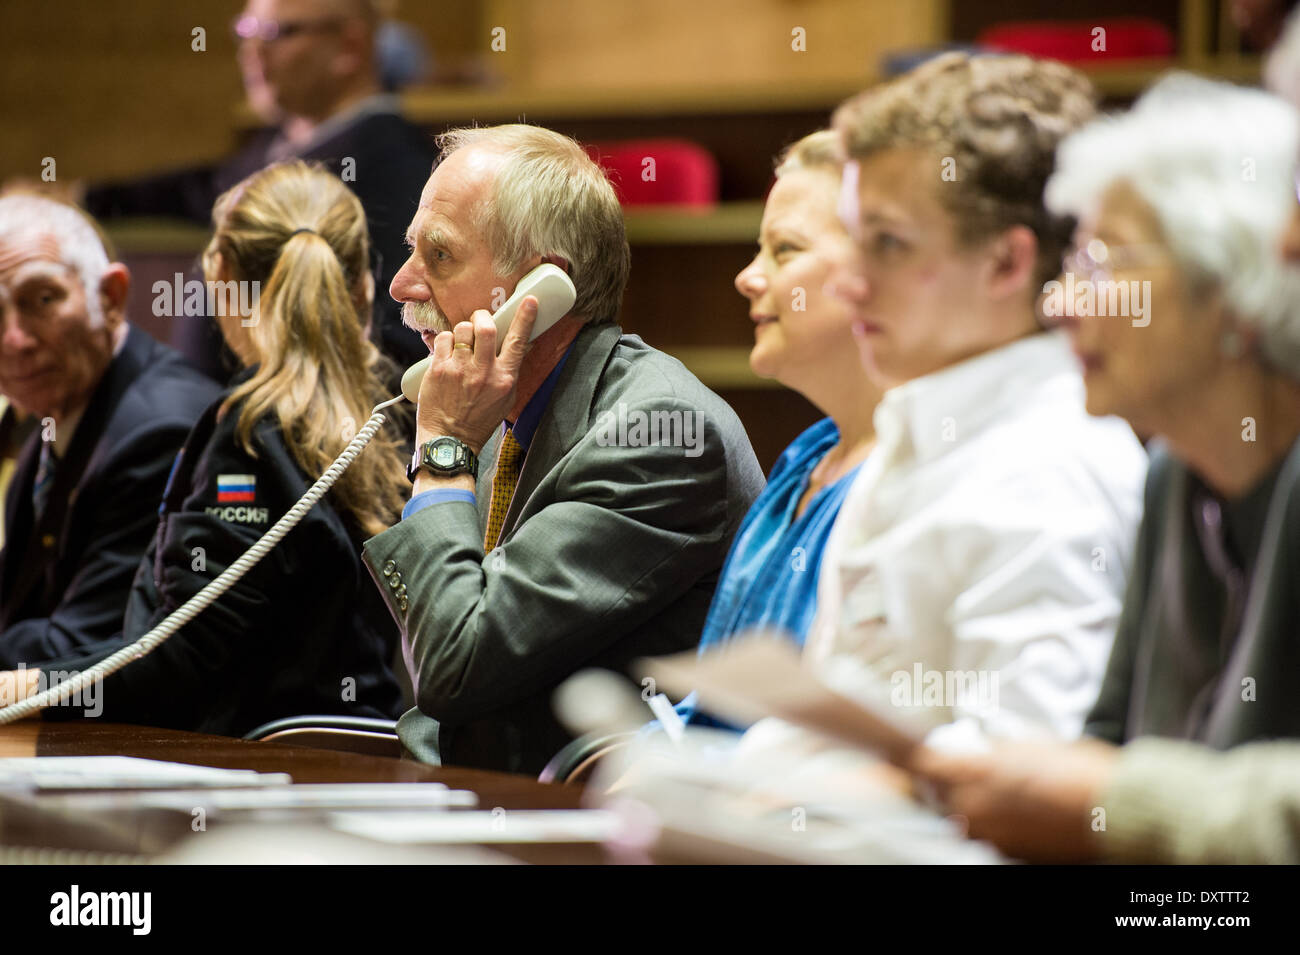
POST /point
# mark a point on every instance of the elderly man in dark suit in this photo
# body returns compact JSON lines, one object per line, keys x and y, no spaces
{"x":611,"y":480}
{"x":114,"y":407}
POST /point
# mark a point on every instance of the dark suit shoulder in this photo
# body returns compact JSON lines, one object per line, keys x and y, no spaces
{"x":278,"y":481}
{"x":391,"y":159}
{"x":165,"y":392}
{"x":393,"y":127}
{"x":269,"y":457}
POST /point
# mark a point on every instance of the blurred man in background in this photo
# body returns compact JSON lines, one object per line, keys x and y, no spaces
{"x":309,"y":67}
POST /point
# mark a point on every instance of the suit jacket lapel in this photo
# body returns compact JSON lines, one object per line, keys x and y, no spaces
{"x":565,"y":419}
{"x":487,"y":469}
{"x":18,"y":554}
{"x":20,"y":489}
{"x":1247,"y":656}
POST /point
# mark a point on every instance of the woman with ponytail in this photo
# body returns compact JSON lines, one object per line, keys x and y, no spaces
{"x":305,"y":631}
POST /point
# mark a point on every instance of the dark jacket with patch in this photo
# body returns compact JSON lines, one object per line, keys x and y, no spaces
{"x":303,"y":632}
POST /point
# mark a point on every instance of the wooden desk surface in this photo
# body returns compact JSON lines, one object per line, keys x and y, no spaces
{"x":93,"y":738}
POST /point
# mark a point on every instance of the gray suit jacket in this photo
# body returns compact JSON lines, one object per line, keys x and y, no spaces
{"x":610,"y":551}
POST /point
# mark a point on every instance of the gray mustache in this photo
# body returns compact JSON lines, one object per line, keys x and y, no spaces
{"x":424,"y":316}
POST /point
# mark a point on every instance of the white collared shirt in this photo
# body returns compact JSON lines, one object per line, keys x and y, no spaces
{"x":988,"y":537}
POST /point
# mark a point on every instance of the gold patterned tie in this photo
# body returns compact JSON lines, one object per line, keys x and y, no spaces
{"x":510,"y":456}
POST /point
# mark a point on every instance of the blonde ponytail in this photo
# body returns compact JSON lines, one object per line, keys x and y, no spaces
{"x":301,"y":233}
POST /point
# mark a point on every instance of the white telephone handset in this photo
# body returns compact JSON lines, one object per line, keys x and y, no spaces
{"x":555,"y":295}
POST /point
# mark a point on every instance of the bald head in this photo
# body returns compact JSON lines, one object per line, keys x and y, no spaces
{"x":309,"y":59}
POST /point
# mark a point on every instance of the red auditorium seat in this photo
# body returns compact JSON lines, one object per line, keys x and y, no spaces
{"x":1127,"y":38}
{"x":659,"y":171}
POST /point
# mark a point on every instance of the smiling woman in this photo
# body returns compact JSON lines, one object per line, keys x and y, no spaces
{"x":802,"y":338}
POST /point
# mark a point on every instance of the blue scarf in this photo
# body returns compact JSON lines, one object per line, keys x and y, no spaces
{"x":770,"y":577}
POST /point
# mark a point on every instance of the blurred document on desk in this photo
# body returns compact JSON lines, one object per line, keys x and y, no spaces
{"x":762,"y":676}
{"x":499,"y":825}
{"x":124,"y":772}
{"x":309,"y":796}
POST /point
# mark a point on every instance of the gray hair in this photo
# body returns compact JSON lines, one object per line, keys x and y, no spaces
{"x":24,"y":219}
{"x":1216,"y":163}
{"x":550,"y":198}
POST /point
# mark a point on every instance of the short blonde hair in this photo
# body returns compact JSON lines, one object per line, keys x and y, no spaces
{"x":820,"y":150}
{"x":550,"y":198}
{"x":999,"y":118}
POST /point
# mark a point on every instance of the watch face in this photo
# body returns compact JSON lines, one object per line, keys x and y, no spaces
{"x":444,"y":456}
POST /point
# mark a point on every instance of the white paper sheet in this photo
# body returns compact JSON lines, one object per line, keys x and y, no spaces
{"x":756,"y":677}
{"x":498,"y":825}
{"x":123,"y":772}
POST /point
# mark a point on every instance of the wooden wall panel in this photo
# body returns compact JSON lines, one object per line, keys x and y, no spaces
{"x":111,"y":88}
{"x":108,"y":87}
{"x":640,"y":46}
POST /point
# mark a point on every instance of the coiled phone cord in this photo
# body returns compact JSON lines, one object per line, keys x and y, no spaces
{"x":223,"y":582}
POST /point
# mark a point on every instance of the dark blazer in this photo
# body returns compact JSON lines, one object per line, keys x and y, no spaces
{"x":390,"y":162}
{"x":64,"y":582}
{"x":302,"y":632}
{"x":610,"y":551}
{"x":1161,"y":681}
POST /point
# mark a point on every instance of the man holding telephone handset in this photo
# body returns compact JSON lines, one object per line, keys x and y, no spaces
{"x":539,"y":538}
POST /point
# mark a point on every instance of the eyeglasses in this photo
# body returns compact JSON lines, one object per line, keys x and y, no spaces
{"x":1096,"y":257}
{"x":248,"y":27}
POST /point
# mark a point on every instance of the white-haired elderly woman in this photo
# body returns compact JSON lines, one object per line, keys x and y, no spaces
{"x":1183,"y":200}
{"x":1186,"y":198}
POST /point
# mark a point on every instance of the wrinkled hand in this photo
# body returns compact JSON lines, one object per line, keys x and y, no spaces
{"x":1034,"y":801}
{"x":468,"y":390}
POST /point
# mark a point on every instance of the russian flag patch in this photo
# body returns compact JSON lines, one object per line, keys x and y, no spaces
{"x":235,"y":487}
